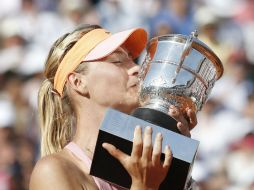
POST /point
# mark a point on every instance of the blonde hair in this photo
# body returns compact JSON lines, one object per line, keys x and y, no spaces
{"x":56,"y":114}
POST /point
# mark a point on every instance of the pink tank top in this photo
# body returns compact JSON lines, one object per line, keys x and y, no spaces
{"x":79,"y":153}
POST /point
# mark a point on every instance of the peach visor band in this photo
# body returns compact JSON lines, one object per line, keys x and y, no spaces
{"x":76,"y":55}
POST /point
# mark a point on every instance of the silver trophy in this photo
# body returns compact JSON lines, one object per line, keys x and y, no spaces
{"x":178,"y":70}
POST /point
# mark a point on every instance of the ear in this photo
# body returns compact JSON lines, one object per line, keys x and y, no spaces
{"x":78,"y":83}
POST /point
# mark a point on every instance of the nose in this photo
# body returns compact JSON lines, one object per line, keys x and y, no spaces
{"x":134,"y":70}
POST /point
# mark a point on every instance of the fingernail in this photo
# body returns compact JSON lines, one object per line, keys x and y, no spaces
{"x":159,"y":135}
{"x":179,"y":124}
{"x":173,"y":111}
{"x":137,"y":127}
{"x":148,"y":128}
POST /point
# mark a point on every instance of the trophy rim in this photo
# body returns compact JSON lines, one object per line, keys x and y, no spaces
{"x":196,"y":44}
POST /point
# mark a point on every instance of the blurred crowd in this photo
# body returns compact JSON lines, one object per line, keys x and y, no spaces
{"x":225,"y":159}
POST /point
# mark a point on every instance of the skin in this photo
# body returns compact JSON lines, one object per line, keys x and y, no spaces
{"x":117,"y":76}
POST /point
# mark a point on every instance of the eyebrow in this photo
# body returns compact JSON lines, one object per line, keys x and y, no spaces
{"x":121,"y":53}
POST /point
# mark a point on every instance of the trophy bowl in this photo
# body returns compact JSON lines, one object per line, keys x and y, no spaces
{"x":178,"y":70}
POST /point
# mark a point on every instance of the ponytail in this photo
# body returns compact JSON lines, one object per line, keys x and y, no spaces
{"x":55,"y":120}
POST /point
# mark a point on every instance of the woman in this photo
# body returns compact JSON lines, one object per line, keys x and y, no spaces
{"x":86,"y":72}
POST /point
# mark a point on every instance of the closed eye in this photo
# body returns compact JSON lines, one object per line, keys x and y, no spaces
{"x":116,"y":62}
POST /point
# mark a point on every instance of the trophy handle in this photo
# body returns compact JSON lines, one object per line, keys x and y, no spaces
{"x":156,"y":117}
{"x":186,"y":51}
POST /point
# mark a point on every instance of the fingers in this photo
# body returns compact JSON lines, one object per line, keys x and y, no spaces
{"x":175,"y":113}
{"x":157,"y":153}
{"x":149,"y":152}
{"x":144,"y":154}
{"x":147,"y":143}
{"x":168,"y":157}
{"x":184,"y":129}
{"x":192,"y":118}
{"x":137,"y":143}
{"x":183,"y":125}
{"x":153,"y":152}
{"x":118,"y":154}
{"x":157,"y":149}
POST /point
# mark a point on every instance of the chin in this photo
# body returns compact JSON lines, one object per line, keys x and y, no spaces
{"x":128,"y":105}
{"x":132,"y":108}
{"x":127,"y":108}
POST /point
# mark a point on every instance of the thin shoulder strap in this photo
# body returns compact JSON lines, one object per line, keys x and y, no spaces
{"x":79,"y":153}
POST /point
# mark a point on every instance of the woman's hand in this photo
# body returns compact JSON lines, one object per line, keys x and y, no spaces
{"x":183,"y":124}
{"x":144,"y":164}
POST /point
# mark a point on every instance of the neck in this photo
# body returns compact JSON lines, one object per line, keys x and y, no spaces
{"x":88,"y":122}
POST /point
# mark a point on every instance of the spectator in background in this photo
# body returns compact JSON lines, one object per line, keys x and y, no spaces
{"x":176,"y":16}
{"x":239,"y":87}
{"x":244,"y":16}
{"x":208,"y":29}
{"x":12,"y":45}
{"x":11,"y":168}
{"x":73,"y":12}
{"x":125,"y":14}
{"x":240,"y":163}
{"x":9,"y":8}
{"x":161,"y":24}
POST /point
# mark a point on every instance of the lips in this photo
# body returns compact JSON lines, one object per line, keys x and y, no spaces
{"x":134,"y":85}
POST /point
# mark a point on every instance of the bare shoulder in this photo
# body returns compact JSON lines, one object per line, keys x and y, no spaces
{"x":52,"y":172}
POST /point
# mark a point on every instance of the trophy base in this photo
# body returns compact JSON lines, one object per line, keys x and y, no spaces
{"x":156,"y":117}
{"x":117,"y":129}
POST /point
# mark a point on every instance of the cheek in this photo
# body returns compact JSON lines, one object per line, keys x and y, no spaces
{"x":106,"y":87}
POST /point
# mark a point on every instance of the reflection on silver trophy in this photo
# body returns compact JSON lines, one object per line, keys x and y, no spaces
{"x":178,"y":70}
